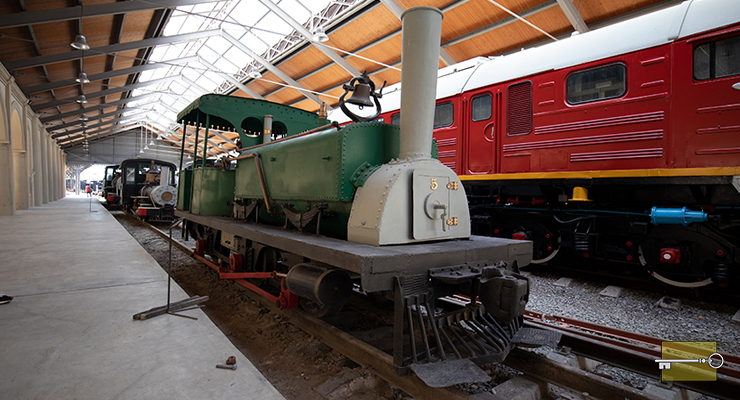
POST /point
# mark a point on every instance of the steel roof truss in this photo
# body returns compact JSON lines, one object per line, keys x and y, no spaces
{"x":94,"y":10}
{"x":280,"y":74}
{"x":309,"y":37}
{"x":104,"y":93}
{"x":113,"y":48}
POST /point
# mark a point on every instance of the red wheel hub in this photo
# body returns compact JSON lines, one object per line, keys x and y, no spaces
{"x":200,"y":247}
{"x":670,"y":256}
{"x":235,"y":262}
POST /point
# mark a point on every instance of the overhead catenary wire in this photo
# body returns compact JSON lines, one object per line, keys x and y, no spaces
{"x":513,"y":14}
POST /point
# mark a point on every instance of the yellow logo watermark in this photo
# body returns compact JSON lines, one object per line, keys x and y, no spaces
{"x":689,"y":361}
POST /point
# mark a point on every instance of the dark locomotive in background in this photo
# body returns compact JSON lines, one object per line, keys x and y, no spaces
{"x":142,"y":186}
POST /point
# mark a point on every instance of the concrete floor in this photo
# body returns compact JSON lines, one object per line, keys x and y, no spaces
{"x":78,"y":278}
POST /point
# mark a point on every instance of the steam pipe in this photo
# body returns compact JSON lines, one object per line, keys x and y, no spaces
{"x":422,"y":28}
{"x":267,"y":129}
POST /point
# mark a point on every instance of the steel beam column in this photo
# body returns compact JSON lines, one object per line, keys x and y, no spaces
{"x":571,"y":12}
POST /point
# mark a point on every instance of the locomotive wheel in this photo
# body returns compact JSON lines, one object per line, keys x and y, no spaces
{"x":266,"y":260}
{"x":315,"y":309}
{"x":545,"y":241}
{"x":666,"y":279}
{"x":549,"y":257}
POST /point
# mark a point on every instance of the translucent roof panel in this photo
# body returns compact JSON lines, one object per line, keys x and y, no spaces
{"x":252,"y":23}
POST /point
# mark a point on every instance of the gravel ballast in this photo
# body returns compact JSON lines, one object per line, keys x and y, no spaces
{"x":636,"y":311}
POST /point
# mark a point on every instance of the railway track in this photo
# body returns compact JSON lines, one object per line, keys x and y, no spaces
{"x":622,"y":349}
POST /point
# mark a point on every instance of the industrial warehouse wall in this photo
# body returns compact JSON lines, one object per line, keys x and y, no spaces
{"x":32,"y":166}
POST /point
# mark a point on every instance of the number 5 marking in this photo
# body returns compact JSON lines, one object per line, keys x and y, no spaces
{"x":434,"y":184}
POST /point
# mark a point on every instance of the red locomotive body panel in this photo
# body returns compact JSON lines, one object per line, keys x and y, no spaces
{"x":707,"y":108}
{"x":589,"y":144}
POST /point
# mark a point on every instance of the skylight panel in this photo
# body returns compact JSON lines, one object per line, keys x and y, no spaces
{"x":237,"y":57}
{"x":208,"y":54}
{"x":218,"y":44}
{"x":275,"y":24}
{"x":158,"y":53}
{"x":254,"y":43}
{"x":247,"y":13}
{"x":224,"y":65}
{"x":315,"y":6}
{"x":147,"y":75}
{"x":178,"y":88}
{"x":295,"y":10}
{"x":174,"y":24}
{"x":155,"y":74}
{"x":209,"y":81}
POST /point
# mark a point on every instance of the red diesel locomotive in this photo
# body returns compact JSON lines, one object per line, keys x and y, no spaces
{"x":622,"y":143}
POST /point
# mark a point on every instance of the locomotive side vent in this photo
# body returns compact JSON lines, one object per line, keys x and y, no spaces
{"x":519,"y":109}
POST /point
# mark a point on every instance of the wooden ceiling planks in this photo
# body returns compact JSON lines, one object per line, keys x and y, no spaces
{"x":375,"y":34}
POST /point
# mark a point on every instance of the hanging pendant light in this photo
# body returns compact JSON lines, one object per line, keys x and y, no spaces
{"x":82,"y":99}
{"x":82,"y":78}
{"x":319,"y":35}
{"x":80,"y":43}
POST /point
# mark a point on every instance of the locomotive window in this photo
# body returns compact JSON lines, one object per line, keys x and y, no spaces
{"x":597,"y":84}
{"x":443,"y":115}
{"x":130,"y":175}
{"x":717,"y":59}
{"x":396,"y":119}
{"x":481,"y":108}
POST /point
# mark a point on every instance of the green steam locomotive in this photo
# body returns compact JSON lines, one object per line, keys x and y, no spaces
{"x":326,"y":211}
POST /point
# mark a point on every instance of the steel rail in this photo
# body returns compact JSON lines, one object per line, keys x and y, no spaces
{"x":621,"y":336}
{"x":630,"y":351}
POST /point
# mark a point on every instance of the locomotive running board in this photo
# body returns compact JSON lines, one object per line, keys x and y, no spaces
{"x":378,"y":265}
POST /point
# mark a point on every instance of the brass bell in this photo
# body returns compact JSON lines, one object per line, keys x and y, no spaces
{"x":361,"y":95}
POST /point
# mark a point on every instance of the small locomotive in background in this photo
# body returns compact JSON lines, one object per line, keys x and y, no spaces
{"x":145,"y":187}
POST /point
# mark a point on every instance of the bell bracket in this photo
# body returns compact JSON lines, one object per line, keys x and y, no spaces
{"x":362,"y":88}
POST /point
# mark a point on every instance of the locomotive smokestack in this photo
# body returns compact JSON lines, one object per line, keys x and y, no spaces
{"x":422,"y":27}
{"x":164,"y":176}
